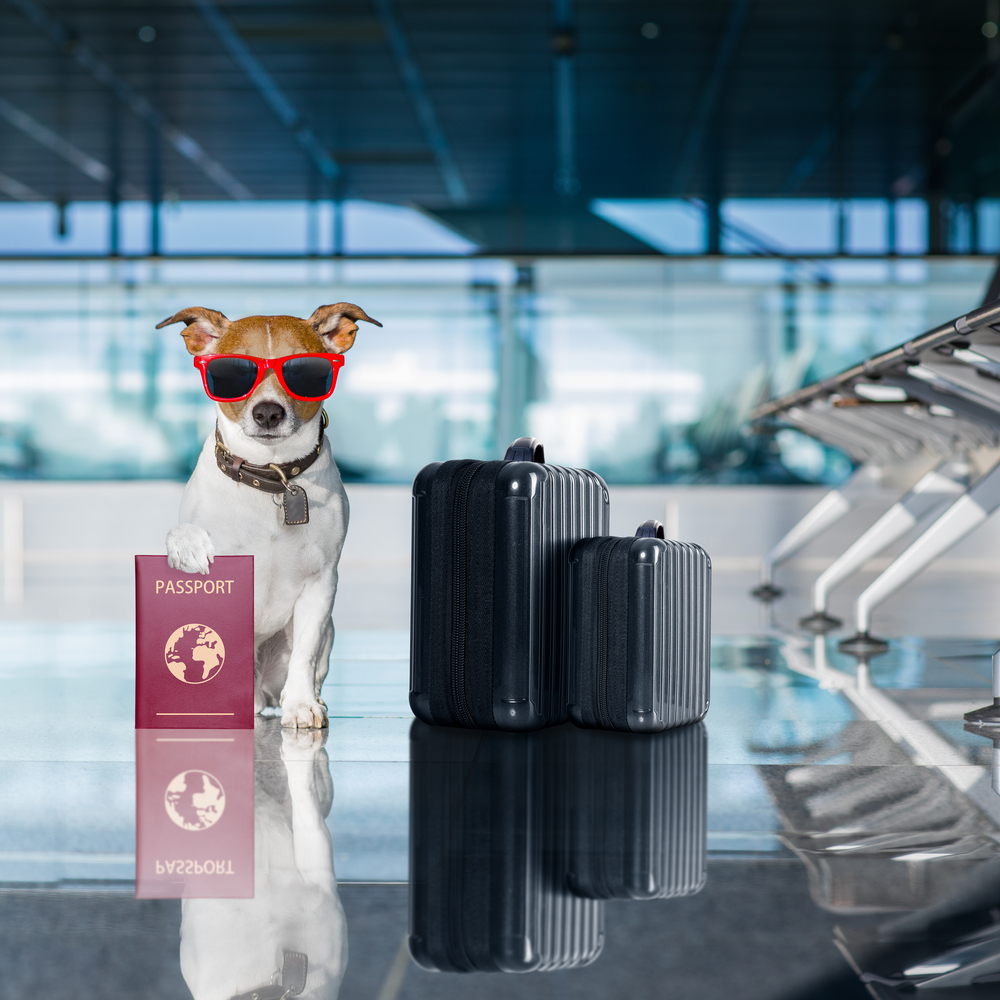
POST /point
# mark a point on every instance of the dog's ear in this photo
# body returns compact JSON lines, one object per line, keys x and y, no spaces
{"x":204,"y":327}
{"x":335,"y":324}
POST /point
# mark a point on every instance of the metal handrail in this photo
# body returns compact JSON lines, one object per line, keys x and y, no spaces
{"x":985,"y":316}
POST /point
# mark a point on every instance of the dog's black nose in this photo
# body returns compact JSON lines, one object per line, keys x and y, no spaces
{"x":268,"y":415}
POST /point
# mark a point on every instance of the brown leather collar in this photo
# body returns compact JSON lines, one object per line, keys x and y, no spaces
{"x":267,"y":478}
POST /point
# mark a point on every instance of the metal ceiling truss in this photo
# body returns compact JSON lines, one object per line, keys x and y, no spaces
{"x":84,"y":56}
{"x":273,"y":95}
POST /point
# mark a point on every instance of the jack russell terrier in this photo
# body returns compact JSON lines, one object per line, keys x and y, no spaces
{"x":266,"y":485}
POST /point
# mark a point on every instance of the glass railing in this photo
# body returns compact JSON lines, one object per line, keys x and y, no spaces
{"x":643,"y":369}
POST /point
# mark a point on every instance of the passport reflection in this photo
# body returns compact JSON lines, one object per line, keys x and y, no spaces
{"x":233,"y":823}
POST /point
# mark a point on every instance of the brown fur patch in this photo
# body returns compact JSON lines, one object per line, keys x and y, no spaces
{"x":271,"y":337}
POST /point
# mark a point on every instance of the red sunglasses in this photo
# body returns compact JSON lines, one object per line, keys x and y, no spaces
{"x":228,"y":377}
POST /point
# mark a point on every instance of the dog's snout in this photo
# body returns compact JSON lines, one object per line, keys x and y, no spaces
{"x":268,"y":415}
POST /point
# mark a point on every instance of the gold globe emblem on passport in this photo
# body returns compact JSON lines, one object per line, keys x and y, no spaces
{"x":194,"y":653}
{"x":195,"y":800}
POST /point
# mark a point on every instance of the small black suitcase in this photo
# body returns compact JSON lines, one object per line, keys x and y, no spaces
{"x":487,"y":836}
{"x":488,"y":629}
{"x":640,"y":611}
{"x":637,"y":813}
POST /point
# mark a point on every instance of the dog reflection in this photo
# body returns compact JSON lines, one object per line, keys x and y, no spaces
{"x":292,"y":934}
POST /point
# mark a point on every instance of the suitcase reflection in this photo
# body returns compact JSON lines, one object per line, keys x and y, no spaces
{"x":516,"y":840}
{"x":260,"y":912}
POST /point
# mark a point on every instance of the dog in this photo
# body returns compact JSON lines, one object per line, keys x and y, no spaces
{"x":293,"y":930}
{"x":295,"y":564}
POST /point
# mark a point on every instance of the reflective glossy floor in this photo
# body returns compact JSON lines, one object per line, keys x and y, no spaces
{"x":829,"y":831}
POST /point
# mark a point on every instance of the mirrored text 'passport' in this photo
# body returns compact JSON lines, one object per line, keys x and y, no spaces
{"x":194,"y":814}
{"x":194,"y":645}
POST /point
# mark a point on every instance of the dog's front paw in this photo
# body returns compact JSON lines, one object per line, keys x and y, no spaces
{"x":303,"y":714}
{"x":189,"y":549}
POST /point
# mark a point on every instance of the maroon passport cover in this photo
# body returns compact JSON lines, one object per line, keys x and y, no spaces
{"x":194,"y":645}
{"x":194,"y":814}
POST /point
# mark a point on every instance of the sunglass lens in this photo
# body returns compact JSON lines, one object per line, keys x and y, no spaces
{"x":308,"y":377}
{"x":230,"y":378}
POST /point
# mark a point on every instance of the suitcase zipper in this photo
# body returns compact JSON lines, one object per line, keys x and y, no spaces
{"x":603,"y":653}
{"x":459,"y":609}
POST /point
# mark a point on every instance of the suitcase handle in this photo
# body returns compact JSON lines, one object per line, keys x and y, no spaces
{"x":650,"y":529}
{"x":526,"y":449}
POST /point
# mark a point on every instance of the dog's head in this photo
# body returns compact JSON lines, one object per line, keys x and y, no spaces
{"x":269,"y":414}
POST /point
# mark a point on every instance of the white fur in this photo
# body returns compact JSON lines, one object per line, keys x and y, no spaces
{"x":295,"y":566}
{"x":231,"y":946}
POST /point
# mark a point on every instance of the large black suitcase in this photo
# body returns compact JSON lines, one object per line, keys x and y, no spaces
{"x":637,"y":813}
{"x":488,"y":642}
{"x":640,"y":611}
{"x":487,"y":846}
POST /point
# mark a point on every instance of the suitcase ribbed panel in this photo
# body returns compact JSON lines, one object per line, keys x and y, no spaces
{"x":487,"y":835}
{"x":573,"y":506}
{"x":525,"y":625}
{"x":638,"y":814}
{"x":683,"y":865}
{"x":641,"y":630}
{"x":570,"y":931}
{"x":688,"y":633}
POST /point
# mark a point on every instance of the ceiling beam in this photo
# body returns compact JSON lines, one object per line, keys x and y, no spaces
{"x":84,"y":55}
{"x":709,"y":99}
{"x":273,"y":96}
{"x":426,"y":113}
{"x":53,"y":142}
{"x":61,"y":147}
{"x":17,"y":191}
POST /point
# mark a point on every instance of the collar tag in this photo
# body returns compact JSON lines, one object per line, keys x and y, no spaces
{"x":296,"y":505}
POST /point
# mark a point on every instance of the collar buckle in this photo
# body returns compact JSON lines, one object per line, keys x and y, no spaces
{"x":281,"y":474}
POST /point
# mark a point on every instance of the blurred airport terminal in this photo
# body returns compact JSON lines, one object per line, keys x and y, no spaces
{"x":614,"y":228}
{"x":618,"y":226}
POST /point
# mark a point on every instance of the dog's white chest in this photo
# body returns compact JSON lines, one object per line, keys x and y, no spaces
{"x":287,"y":558}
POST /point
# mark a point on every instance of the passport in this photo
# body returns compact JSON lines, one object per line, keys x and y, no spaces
{"x":194,"y":645}
{"x":194,"y":804}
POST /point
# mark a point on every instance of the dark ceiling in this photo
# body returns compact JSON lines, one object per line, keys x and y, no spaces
{"x":440,"y":101}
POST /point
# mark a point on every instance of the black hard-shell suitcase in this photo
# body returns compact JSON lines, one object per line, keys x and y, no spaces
{"x":487,"y":834}
{"x":640,"y":611}
{"x":637,"y":813}
{"x":488,"y":629}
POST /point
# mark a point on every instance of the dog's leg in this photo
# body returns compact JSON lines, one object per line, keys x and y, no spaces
{"x":323,"y":660}
{"x":189,"y":548}
{"x":271,"y":668}
{"x":312,"y":640}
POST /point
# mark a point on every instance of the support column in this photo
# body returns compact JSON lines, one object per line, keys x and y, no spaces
{"x":114,"y":182}
{"x":937,"y":223}
{"x":567,"y":181}
{"x":155,"y":192}
{"x":338,"y":217}
{"x":713,"y":200}
{"x":789,"y":313}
